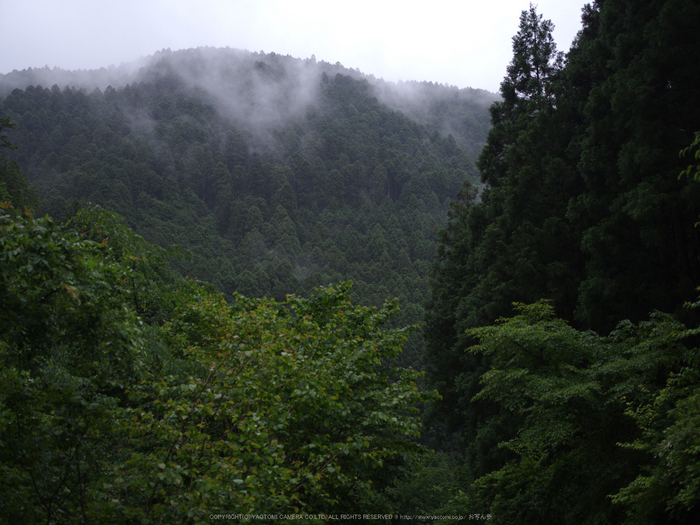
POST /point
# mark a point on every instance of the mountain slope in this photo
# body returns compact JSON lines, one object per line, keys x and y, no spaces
{"x":277,"y":173}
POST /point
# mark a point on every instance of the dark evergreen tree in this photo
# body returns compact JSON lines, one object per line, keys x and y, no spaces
{"x":14,"y":186}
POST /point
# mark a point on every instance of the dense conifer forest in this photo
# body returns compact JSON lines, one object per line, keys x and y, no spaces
{"x":277,"y":174}
{"x":245,"y":283}
{"x":561,"y":329}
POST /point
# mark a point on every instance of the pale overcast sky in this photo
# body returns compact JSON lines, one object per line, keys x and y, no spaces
{"x":464,"y":43}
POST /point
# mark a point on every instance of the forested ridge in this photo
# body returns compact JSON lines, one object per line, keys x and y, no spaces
{"x":278,"y":174}
{"x":156,"y":369}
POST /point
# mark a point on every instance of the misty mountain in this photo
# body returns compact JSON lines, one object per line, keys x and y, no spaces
{"x":262,"y":89}
{"x":278,"y":174}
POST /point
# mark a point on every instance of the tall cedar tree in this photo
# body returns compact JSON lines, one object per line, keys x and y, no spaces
{"x":503,"y":248}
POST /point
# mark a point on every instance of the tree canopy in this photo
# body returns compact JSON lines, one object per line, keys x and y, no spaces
{"x":118,"y":408}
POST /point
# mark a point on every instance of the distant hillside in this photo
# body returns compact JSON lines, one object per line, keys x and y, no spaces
{"x":441,"y":108}
{"x":277,"y":173}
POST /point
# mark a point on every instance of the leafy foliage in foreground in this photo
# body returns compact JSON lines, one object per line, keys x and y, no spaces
{"x":127,"y":395}
{"x":595,"y":421}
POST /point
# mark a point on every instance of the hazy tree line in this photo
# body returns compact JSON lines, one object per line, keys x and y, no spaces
{"x":556,"y":294}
